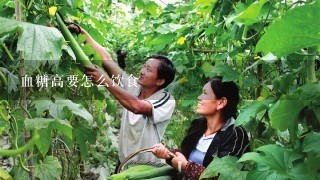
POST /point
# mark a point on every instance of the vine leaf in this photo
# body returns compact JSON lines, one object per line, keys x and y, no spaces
{"x":40,"y":44}
{"x":13,"y":80}
{"x":226,"y":167}
{"x":250,"y":15}
{"x":45,"y":127}
{"x":168,"y":28}
{"x":83,"y":135}
{"x":287,"y":112}
{"x":247,"y":113}
{"x":56,"y":110}
{"x":50,"y":168}
{"x":226,"y":71}
{"x":4,"y":175}
{"x":311,"y":143}
{"x":275,"y":162}
{"x":286,"y":36}
{"x":147,"y":5}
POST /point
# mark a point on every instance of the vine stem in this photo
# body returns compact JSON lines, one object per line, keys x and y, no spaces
{"x":7,"y":51}
{"x":23,"y":94}
{"x":309,"y":64}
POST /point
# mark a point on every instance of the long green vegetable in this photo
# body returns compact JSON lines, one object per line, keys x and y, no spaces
{"x":23,"y":149}
{"x":80,"y":55}
{"x":152,"y":173}
{"x":3,"y":79}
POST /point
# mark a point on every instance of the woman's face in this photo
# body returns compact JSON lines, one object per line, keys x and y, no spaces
{"x":207,"y":101}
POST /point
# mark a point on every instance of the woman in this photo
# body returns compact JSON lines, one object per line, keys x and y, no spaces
{"x":213,"y":134}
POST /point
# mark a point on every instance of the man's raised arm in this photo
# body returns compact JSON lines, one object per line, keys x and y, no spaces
{"x":108,"y":64}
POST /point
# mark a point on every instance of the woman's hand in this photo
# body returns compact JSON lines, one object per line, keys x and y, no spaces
{"x":179,"y":158}
{"x":160,"y":151}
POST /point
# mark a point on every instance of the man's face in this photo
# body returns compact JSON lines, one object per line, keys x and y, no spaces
{"x":149,"y":73}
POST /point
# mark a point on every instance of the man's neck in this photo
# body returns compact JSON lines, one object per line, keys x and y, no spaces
{"x":147,"y":92}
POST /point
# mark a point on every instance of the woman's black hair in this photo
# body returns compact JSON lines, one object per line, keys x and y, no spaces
{"x":230,"y":91}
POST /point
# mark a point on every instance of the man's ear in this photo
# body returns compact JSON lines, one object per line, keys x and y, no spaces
{"x":160,"y":82}
{"x":222,"y":103}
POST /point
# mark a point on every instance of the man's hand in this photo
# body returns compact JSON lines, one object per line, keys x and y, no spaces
{"x":75,"y":28}
{"x":98,"y":76}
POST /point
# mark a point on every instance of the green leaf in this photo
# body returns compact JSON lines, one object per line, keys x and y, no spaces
{"x":7,"y":25}
{"x":247,"y":113}
{"x":83,"y":135}
{"x":226,"y":167}
{"x":251,"y":14}
{"x":286,"y":36}
{"x":19,"y":173}
{"x":62,"y":126}
{"x":273,"y":161}
{"x":44,"y":143}
{"x":152,"y":8}
{"x":147,"y":5}
{"x":311,"y":143}
{"x":313,"y":167}
{"x":13,"y":80}
{"x":50,"y":168}
{"x":77,"y":109}
{"x":160,"y":42}
{"x":285,"y":113}
{"x":40,"y":44}
{"x":4,"y":175}
{"x":111,"y":107}
{"x":56,"y":109}
{"x":207,"y":69}
{"x":45,"y":127}
{"x":309,"y":92}
{"x":168,"y":28}
{"x":226,"y":71}
{"x":205,"y":2}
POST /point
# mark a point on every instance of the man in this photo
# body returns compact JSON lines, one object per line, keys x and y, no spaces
{"x":147,"y":107}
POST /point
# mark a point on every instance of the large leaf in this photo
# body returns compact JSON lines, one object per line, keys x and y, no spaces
{"x":50,"y":124}
{"x":13,"y":80}
{"x":247,"y":113}
{"x":45,"y":127}
{"x":274,"y":161}
{"x":168,"y":28}
{"x":56,"y":109}
{"x":285,"y":113}
{"x":44,"y":143}
{"x":226,"y":71}
{"x":311,"y":143}
{"x":50,"y":168}
{"x":226,"y":167}
{"x":313,"y":167}
{"x":40,"y":44}
{"x":309,"y":92}
{"x":147,"y":5}
{"x":4,"y":175}
{"x":83,"y":135}
{"x":19,"y":173}
{"x":251,"y":14}
{"x":298,"y":28}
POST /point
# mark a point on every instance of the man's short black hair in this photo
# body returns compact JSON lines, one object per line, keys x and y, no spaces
{"x":165,"y":70}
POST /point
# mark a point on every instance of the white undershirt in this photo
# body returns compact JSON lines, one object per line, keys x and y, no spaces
{"x":198,"y":154}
